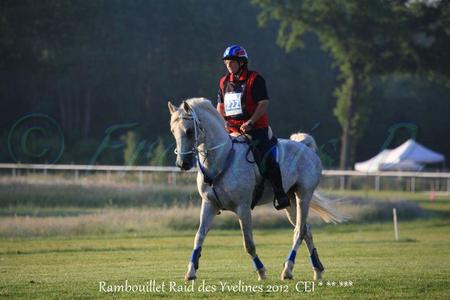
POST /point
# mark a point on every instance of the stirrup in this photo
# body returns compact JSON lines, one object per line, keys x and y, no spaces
{"x":283,"y":204}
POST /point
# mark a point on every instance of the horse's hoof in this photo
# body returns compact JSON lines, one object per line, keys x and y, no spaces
{"x":286,"y":274}
{"x":261,"y":274}
{"x":189,"y":278}
{"x":317,"y":274}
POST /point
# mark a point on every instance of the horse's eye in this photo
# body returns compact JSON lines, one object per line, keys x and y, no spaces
{"x":189,"y":132}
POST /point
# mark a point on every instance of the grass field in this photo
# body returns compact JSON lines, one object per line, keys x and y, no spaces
{"x":417,"y":266}
{"x":71,"y":251}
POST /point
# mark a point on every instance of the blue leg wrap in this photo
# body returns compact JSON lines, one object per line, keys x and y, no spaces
{"x":274,"y":152}
{"x":257,"y":263}
{"x":195,"y":256}
{"x":292,"y":255}
{"x":315,"y":261}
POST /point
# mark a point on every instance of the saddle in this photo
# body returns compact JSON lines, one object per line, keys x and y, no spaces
{"x":258,"y":190}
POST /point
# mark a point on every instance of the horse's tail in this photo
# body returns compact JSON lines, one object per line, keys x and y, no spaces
{"x":319,"y":203}
{"x":304,"y":138}
{"x":323,"y":207}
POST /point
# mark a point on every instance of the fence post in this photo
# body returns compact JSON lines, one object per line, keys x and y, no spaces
{"x":394,"y":213}
{"x":150,"y":178}
{"x":174,"y":180}
{"x":77,"y":175}
{"x":14,"y":172}
{"x":377,"y":183}
{"x":413,"y":184}
{"x":342,"y":182}
{"x":448,"y":185}
{"x":141,"y":179}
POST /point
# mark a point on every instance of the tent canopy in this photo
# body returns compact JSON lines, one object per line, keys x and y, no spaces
{"x":411,"y":150}
{"x":409,"y":156}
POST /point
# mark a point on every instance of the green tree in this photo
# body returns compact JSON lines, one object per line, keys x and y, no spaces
{"x":158,"y":156}
{"x":133,"y":149}
{"x":91,"y":65}
{"x":366,"y":39}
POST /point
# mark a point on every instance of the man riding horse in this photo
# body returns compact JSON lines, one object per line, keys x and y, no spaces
{"x":226,"y":178}
{"x":243,"y":102}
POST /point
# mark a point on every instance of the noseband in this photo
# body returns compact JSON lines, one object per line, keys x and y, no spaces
{"x":198,"y":129}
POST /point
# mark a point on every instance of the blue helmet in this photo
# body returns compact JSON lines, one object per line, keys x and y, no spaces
{"x":235,"y":52}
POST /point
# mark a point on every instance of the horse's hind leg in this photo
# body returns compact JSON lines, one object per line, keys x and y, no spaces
{"x":245,"y":220}
{"x":207,"y":214}
{"x":315,"y":261}
{"x":291,"y":210}
{"x":300,"y":230}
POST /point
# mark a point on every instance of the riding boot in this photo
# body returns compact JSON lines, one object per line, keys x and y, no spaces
{"x":274,"y":175}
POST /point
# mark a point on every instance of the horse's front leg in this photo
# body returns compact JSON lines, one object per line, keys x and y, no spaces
{"x":245,"y":220}
{"x":207,"y":214}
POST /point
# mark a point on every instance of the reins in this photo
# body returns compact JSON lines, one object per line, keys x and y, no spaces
{"x":196,"y":151}
{"x":198,"y":129}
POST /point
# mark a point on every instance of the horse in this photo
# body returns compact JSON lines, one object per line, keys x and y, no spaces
{"x":227,"y":176}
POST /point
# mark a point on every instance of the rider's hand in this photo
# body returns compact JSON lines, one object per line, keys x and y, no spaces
{"x":247,"y":126}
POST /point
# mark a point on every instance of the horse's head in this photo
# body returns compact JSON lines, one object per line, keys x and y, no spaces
{"x":185,"y":130}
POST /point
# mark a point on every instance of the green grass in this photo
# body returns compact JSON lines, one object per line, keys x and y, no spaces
{"x":90,"y":193}
{"x":64,"y":267}
{"x":60,"y":241}
{"x":437,"y":207}
{"x":34,"y":221}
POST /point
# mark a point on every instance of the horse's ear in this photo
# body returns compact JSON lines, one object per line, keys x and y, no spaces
{"x":186,"y":106}
{"x":172,"y":108}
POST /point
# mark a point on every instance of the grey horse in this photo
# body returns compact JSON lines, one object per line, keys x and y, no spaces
{"x":227,"y":177}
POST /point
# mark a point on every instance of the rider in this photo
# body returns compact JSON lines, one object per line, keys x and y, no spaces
{"x":243,"y":102}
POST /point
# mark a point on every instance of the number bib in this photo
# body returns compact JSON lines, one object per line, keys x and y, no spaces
{"x":232,"y":104}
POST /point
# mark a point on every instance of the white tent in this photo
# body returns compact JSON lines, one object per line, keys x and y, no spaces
{"x":411,"y":150}
{"x":406,"y":165}
{"x":409,"y":156}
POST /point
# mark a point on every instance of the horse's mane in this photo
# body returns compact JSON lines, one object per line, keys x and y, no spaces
{"x":205,"y":104}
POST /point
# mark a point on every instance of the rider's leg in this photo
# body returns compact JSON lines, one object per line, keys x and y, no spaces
{"x":274,"y":176}
{"x":264,"y":151}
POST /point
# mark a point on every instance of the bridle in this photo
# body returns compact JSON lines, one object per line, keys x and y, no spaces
{"x":198,"y":129}
{"x":207,"y":178}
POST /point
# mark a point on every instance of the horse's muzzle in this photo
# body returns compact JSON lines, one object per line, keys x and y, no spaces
{"x":184,"y":165}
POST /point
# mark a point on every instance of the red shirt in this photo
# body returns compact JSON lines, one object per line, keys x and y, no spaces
{"x":253,"y":89}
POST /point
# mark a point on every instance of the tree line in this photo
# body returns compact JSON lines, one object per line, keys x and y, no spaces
{"x":102,"y":71}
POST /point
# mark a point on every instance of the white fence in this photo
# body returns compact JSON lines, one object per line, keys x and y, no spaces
{"x":410,"y":181}
{"x":334,"y":178}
